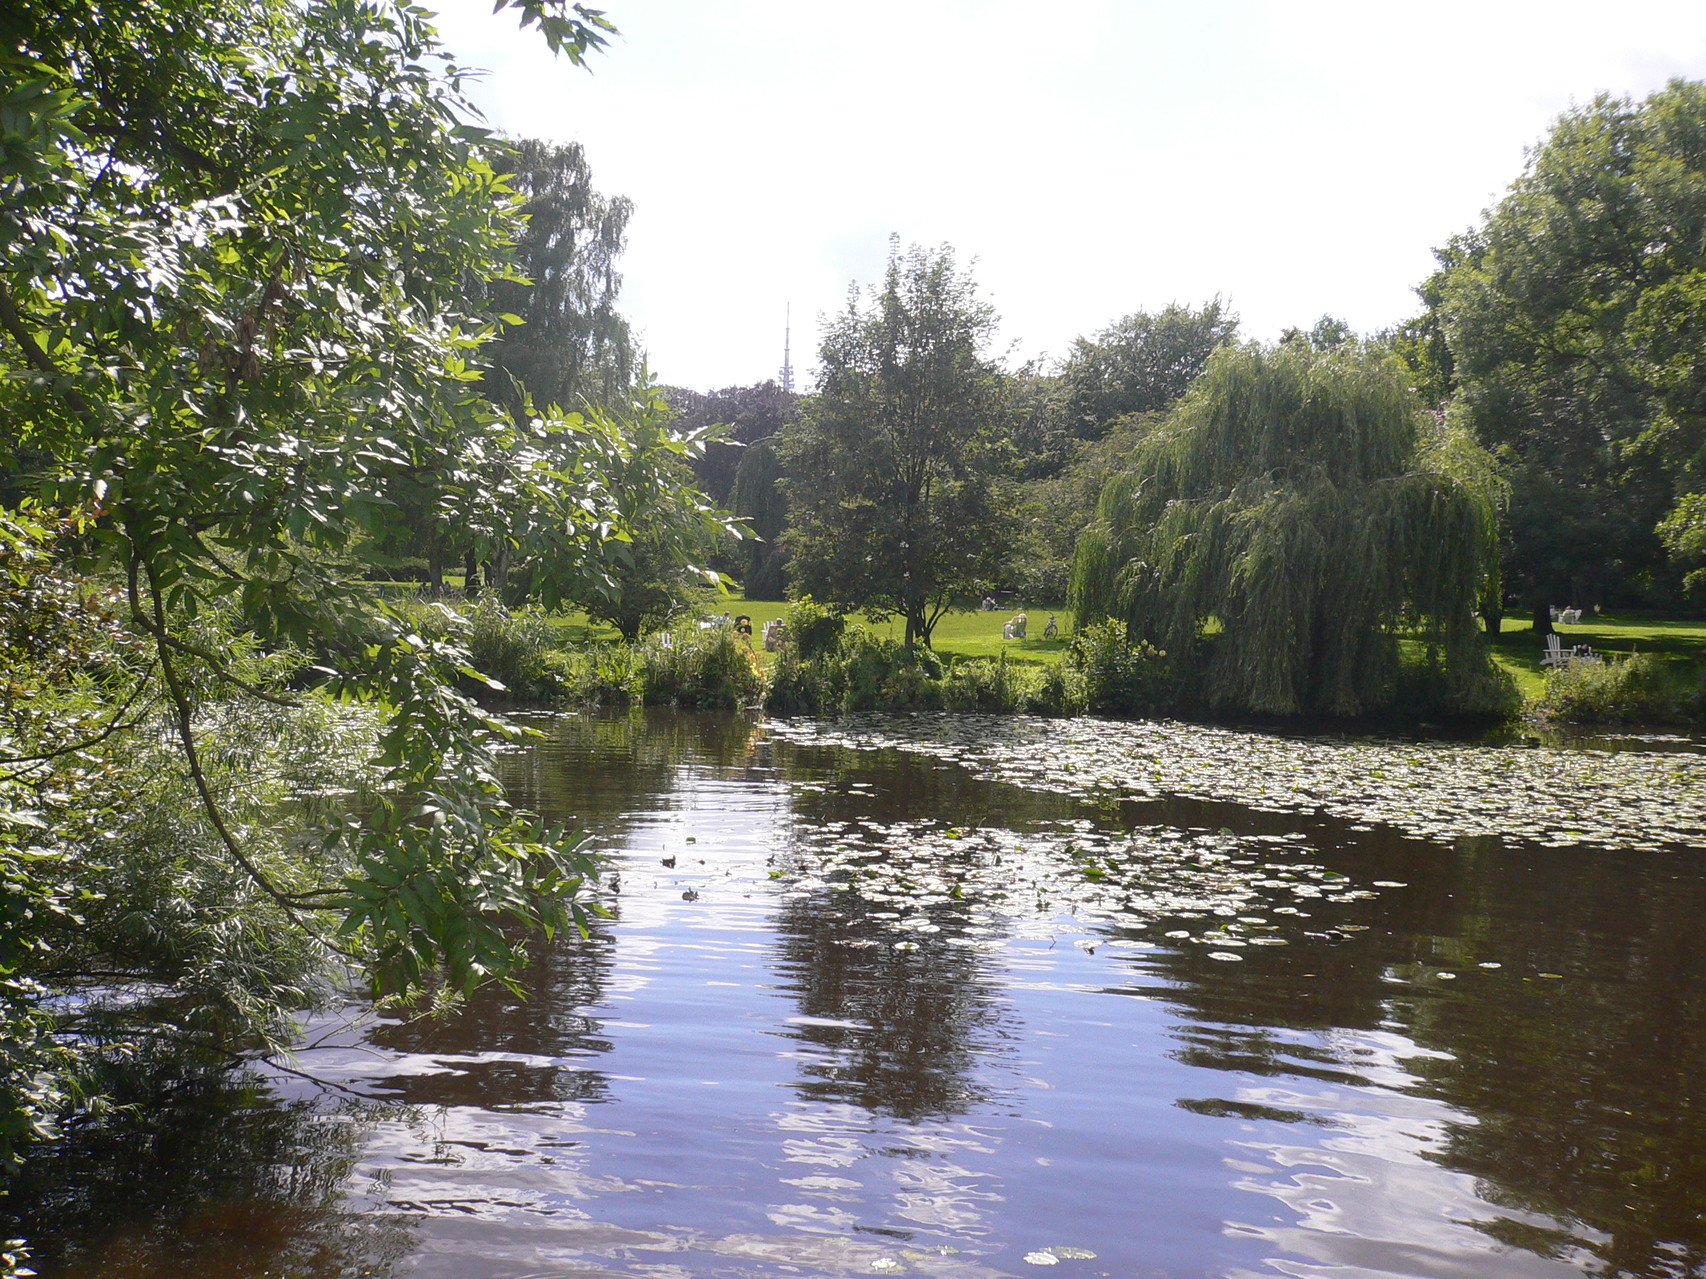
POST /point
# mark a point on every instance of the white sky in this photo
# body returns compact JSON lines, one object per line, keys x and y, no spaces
{"x":1090,"y":158}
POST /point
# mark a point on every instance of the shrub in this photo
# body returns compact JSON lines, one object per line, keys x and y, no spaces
{"x":812,"y":629}
{"x":882,"y":675}
{"x":599,"y":674}
{"x":1631,"y":689}
{"x":1119,"y":677}
{"x":511,"y":647}
{"x":704,"y":668}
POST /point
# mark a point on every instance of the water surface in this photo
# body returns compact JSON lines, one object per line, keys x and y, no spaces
{"x":970,"y":997}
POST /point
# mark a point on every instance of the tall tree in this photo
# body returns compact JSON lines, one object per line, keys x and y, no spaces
{"x":757,"y":499}
{"x":1574,"y":318}
{"x":1141,"y":364}
{"x":573,"y":346}
{"x":890,"y":503}
{"x":747,"y":414}
{"x":1300,"y":503}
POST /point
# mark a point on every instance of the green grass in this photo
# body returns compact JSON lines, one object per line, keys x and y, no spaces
{"x":1681,"y":646}
{"x":969,"y":633}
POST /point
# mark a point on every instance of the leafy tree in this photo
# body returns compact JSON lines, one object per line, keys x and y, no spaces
{"x":757,"y":499}
{"x":746,"y":413}
{"x":239,"y":241}
{"x":891,"y":509}
{"x":648,"y":571}
{"x":1302,"y":503}
{"x":1141,"y":364}
{"x":1328,"y":333}
{"x":573,"y":346}
{"x":1573,"y":318}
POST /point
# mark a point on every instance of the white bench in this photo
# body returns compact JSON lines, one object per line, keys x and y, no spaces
{"x":1556,"y":654}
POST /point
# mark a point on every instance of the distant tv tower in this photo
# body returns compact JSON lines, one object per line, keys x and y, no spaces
{"x":787,"y":353}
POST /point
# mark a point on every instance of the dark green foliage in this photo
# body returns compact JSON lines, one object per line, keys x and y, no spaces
{"x":1119,"y":677}
{"x":244,"y":247}
{"x":1140,"y":364}
{"x":813,"y":630}
{"x":1627,"y":690}
{"x":746,"y":414}
{"x":857,"y":671}
{"x":757,"y":499}
{"x":594,"y":675}
{"x":1300,"y":506}
{"x":1574,"y":318}
{"x":712,"y":669}
{"x":573,"y":346}
{"x":637,"y":581}
{"x":891,"y":505}
{"x":1683,"y":533}
{"x":1053,"y":511}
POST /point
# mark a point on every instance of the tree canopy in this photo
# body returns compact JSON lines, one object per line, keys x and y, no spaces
{"x":1293,"y":515}
{"x":573,"y":346}
{"x":1574,"y":318}
{"x":890,"y":504}
{"x":245,"y":252}
{"x":1141,"y":363}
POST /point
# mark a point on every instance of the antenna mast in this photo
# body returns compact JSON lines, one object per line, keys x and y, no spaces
{"x":787,"y":356}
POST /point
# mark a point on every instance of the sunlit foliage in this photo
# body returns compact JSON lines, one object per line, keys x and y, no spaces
{"x":1300,"y":508}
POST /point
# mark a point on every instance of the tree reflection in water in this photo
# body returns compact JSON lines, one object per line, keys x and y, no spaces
{"x":220,"y":1180}
{"x":908,"y":1030}
{"x":1558,"y":998}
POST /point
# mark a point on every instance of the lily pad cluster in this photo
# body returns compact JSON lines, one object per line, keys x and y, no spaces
{"x":906,"y":881}
{"x":1625,"y":799}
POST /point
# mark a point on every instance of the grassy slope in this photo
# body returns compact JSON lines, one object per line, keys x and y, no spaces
{"x":1680,"y":645}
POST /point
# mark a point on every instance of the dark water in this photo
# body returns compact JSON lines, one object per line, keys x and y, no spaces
{"x":862,"y":1010}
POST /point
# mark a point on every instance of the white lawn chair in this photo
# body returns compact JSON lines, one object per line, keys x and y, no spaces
{"x":1554,"y":654}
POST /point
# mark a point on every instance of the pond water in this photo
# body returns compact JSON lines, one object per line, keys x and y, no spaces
{"x":965,"y":998}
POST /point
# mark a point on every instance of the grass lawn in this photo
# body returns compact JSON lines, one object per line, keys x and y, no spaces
{"x":958,"y":634}
{"x":1680,"y":645}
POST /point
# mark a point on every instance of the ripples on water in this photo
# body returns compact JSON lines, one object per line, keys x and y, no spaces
{"x":964,"y":997}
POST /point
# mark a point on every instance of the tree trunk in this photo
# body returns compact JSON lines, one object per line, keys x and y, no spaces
{"x":1493,"y":617}
{"x":1542,"y":619}
{"x":470,"y":574}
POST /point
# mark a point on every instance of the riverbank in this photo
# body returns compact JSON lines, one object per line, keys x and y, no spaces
{"x":1654,"y":670}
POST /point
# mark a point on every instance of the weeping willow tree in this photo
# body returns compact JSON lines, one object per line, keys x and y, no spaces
{"x":1294,"y":518}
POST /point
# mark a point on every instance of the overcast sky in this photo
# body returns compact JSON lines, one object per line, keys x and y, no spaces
{"x":1090,"y":158}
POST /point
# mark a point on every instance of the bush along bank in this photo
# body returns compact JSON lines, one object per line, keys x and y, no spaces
{"x":830,"y":667}
{"x":1636,"y":689}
